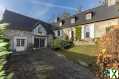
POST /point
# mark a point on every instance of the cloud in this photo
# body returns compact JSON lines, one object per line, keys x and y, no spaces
{"x":51,"y":5}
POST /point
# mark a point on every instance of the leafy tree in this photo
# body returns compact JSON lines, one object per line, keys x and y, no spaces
{"x":4,"y":50}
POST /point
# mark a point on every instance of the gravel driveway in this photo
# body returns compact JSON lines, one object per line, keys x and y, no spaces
{"x":45,"y":64}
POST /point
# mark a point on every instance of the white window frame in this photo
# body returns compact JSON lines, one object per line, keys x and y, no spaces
{"x":39,"y":29}
{"x":73,"y":20}
{"x":58,"y":33}
{"x":88,"y":16}
{"x":36,"y":30}
{"x":111,"y":2}
{"x":20,"y":47}
{"x":20,"y":42}
{"x":60,"y":24}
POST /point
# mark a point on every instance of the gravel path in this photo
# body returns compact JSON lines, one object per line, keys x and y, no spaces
{"x":45,"y":64}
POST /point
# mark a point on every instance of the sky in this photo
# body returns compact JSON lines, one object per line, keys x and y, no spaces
{"x":47,"y":10}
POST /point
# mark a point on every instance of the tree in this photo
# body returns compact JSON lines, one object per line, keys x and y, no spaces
{"x":4,"y":50}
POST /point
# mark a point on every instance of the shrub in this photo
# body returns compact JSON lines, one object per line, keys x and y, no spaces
{"x":56,"y":44}
{"x":4,"y":48}
{"x":66,"y":44}
{"x":96,"y":40}
{"x":61,"y":44}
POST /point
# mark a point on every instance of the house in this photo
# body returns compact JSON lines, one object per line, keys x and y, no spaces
{"x":25,"y":32}
{"x":93,"y":22}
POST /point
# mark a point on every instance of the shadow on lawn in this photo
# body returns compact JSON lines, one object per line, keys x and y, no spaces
{"x":78,"y":57}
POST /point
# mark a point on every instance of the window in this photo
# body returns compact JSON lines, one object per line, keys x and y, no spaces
{"x":20,"y":42}
{"x":87,"y":34}
{"x":87,"y":30}
{"x":72,"y":35}
{"x":39,"y":30}
{"x":73,"y":20}
{"x":88,"y":16}
{"x":58,"y":32}
{"x":60,"y":24}
{"x":111,"y":2}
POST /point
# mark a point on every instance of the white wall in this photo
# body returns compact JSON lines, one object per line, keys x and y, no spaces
{"x":91,"y":30}
{"x":100,"y":27}
{"x":87,"y":28}
{"x":11,"y":34}
{"x":82,"y":32}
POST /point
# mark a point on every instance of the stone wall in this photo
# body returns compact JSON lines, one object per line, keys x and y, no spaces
{"x":11,"y":34}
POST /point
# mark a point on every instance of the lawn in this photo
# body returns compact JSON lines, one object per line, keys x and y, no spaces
{"x":85,"y":53}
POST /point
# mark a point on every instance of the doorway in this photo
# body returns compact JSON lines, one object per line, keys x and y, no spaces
{"x":40,"y":42}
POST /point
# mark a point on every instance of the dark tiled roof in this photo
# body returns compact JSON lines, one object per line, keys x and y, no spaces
{"x":55,"y":27}
{"x":100,"y":13}
{"x":20,"y":22}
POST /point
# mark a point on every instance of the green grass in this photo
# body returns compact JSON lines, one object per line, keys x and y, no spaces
{"x":86,"y":54}
{"x":86,"y":50}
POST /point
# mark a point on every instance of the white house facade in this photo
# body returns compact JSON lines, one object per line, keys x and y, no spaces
{"x":26,"y":33}
{"x":93,"y":22}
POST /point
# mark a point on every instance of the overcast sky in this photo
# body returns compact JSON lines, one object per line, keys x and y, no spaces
{"x":46,"y":10}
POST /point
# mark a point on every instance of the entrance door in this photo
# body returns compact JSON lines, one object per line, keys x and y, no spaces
{"x":20,"y":43}
{"x":36,"y":43}
{"x":42,"y":42}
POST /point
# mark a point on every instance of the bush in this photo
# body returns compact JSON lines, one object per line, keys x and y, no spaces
{"x":61,"y":44}
{"x":56,"y":44}
{"x":96,"y":40}
{"x":66,"y":44}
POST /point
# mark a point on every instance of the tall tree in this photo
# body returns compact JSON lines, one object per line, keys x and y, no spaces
{"x":4,"y":50}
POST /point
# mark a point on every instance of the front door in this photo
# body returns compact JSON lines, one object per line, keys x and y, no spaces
{"x":36,"y":43}
{"x":42,"y":42}
{"x":20,"y":43}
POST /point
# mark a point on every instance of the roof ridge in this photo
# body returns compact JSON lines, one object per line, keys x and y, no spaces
{"x":20,"y":14}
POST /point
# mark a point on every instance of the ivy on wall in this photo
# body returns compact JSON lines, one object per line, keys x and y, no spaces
{"x":78,"y":32}
{"x":108,"y":29}
{"x":66,"y":37}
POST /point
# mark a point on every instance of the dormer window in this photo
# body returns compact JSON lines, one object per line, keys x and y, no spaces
{"x":39,"y":30}
{"x":61,"y":23}
{"x":89,"y":16}
{"x":111,"y":2}
{"x":73,"y":21}
{"x":57,"y":19}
